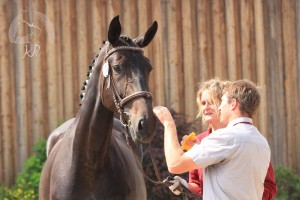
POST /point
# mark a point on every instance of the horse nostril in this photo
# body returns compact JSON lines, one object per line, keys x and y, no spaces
{"x":141,"y":124}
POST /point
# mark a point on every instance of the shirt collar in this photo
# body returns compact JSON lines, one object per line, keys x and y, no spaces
{"x":239,"y":120}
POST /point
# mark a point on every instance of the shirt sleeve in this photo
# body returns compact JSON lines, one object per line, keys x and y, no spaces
{"x":196,"y":176}
{"x":215,"y":148}
{"x":270,"y":186}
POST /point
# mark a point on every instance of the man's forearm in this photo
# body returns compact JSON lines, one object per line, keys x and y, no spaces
{"x":172,"y":147}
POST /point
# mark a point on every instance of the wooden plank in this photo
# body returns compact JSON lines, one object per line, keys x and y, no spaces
{"x":205,"y":40}
{"x":10,"y":14}
{"x":275,"y":82}
{"x":2,"y":60}
{"x":6,"y":124}
{"x":67,"y":67}
{"x":36,"y":74}
{"x":74,"y":56}
{"x":237,"y":22}
{"x":82,"y":40}
{"x":219,"y":42}
{"x":52,"y":69}
{"x":297,"y":13}
{"x":230,"y":13}
{"x":21,"y":100}
{"x":290,"y":58}
{"x":158,"y":72}
{"x":189,"y":66}
{"x":28,"y":92}
{"x":113,"y":9}
{"x":144,"y":8}
{"x":129,"y":18}
{"x":174,"y":68}
{"x":96,"y":31}
{"x":59,"y":62}
{"x":44,"y":96}
{"x":246,"y":10}
{"x":260,"y":66}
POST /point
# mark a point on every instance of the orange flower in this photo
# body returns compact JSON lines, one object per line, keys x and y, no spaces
{"x":187,"y":140}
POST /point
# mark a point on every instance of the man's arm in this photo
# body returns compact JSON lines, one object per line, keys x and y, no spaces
{"x":177,"y":161}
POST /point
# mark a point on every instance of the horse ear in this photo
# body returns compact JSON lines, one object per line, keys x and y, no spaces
{"x":145,"y":39}
{"x":114,"y":30}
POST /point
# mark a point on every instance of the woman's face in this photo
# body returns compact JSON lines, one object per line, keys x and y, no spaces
{"x":208,"y":109}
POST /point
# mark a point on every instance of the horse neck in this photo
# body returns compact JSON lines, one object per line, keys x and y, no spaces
{"x":94,"y":122}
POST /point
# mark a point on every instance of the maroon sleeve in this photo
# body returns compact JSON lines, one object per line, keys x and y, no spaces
{"x":270,"y":184}
{"x":196,"y":176}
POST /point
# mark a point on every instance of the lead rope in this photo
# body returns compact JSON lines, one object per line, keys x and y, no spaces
{"x":185,"y":192}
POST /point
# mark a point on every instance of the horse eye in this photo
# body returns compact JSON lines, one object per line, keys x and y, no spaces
{"x":117,"y":69}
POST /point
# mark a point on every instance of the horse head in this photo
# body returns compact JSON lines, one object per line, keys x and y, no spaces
{"x":123,"y":81}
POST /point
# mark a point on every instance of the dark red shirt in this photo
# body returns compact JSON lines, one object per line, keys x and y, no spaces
{"x":270,"y":187}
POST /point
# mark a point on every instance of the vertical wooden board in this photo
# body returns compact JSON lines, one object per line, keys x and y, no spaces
{"x":2,"y":169}
{"x":1,"y":123}
{"x":45,"y":25}
{"x":297,"y":13}
{"x":51,"y":68}
{"x":6,"y":131}
{"x":219,"y":35}
{"x":205,"y":39}
{"x":2,"y":64}
{"x":230,"y":14}
{"x":114,"y":8}
{"x":173,"y":71}
{"x":156,"y":47}
{"x":144,"y":13}
{"x":290,"y":58}
{"x":36,"y":72}
{"x":67,"y":67}
{"x":129,"y":18}
{"x":10,"y":14}
{"x":188,"y":57}
{"x":74,"y":55}
{"x":27,"y":58}
{"x":275,"y":83}
{"x":103,"y":26}
{"x":260,"y":66}
{"x":82,"y":41}
{"x":21,"y":90}
{"x":237,"y":22}
{"x":59,"y":40}
{"x":246,"y":27}
{"x":97,"y":22}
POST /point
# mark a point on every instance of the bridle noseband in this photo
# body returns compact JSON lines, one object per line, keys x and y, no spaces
{"x":121,"y":102}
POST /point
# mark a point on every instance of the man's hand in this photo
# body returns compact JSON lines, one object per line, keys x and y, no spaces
{"x":163,"y":114}
{"x":176,"y":182}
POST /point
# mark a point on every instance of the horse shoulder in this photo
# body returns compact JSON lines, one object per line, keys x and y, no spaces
{"x":57,"y":135}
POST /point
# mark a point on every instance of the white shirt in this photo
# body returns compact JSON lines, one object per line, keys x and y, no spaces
{"x":236,"y":160}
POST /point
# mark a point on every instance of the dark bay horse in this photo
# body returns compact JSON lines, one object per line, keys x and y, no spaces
{"x":87,"y":157}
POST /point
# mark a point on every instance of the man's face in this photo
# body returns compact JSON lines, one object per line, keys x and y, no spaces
{"x":224,"y":109}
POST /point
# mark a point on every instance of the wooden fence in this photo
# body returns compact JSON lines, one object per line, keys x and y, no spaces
{"x":46,"y":46}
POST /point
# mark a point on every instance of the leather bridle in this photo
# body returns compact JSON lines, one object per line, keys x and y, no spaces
{"x":121,"y":102}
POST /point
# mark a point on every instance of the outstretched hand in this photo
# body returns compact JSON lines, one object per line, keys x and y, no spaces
{"x":163,"y":115}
